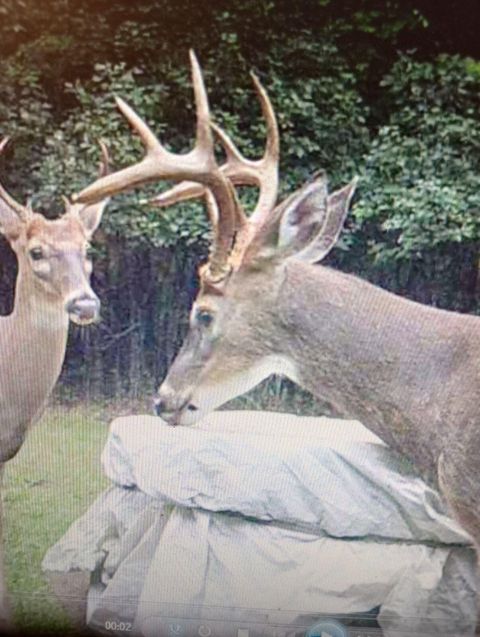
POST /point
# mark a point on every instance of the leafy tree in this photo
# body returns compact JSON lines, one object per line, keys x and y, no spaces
{"x":420,"y":189}
{"x":322,"y":120}
{"x":346,"y":99}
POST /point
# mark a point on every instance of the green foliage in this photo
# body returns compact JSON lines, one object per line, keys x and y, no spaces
{"x":421,"y":177}
{"x":25,"y":116}
{"x":321,"y":117}
{"x":449,"y":84}
{"x":346,"y":102}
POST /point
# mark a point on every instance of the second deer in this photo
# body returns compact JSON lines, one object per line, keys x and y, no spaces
{"x":53,"y":287}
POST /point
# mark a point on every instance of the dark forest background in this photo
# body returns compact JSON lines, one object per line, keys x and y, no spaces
{"x":388,"y":90}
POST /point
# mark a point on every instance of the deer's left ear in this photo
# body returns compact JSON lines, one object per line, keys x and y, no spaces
{"x":305,"y":226}
{"x":10,"y":222}
{"x":292,"y":224}
{"x":302,"y":216}
{"x":325,"y":239}
{"x":91,"y":215}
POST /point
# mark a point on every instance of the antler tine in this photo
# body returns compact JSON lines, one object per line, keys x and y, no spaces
{"x":67,"y":203}
{"x":221,"y":199}
{"x":184,"y":191}
{"x":240,"y":170}
{"x":189,"y":189}
{"x":198,"y":165}
{"x":23,"y":212}
{"x":212,"y":208}
{"x":148,"y":137}
{"x":145,"y":171}
{"x":204,"y":134}
{"x":104,"y":167}
{"x":3,"y":143}
{"x":268,"y":165}
{"x":261,"y":172}
{"x":272,"y":148}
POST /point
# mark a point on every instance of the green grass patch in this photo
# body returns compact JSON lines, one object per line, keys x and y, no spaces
{"x":50,"y":483}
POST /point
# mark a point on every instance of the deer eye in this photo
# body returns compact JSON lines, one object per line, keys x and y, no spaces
{"x":36,"y":254}
{"x":204,"y":318}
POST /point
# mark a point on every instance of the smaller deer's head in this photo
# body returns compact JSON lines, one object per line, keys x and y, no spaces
{"x":234,"y":340}
{"x":53,"y":254}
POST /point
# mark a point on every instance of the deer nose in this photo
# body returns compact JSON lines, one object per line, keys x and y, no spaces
{"x":166,"y":401}
{"x":165,"y":406}
{"x":83,"y":309}
{"x":162,"y":408}
{"x":158,"y":406}
{"x":169,"y":404}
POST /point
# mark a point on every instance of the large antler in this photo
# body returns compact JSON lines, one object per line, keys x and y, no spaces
{"x":24,"y":212}
{"x":262,"y":173}
{"x":240,"y":170}
{"x":198,"y":165}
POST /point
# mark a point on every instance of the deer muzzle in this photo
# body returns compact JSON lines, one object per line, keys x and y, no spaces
{"x":172,"y":407}
{"x":84,"y":309}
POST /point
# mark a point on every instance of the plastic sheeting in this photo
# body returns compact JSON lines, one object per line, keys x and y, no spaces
{"x":276,"y":519}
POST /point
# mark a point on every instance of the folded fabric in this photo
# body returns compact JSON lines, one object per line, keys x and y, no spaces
{"x":276,"y":519}
{"x":330,"y":484}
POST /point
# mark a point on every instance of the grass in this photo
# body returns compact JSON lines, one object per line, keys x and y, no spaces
{"x":50,"y":483}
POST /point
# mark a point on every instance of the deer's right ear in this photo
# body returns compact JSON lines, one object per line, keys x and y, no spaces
{"x":91,"y":215}
{"x":304,"y":227}
{"x":11,"y":212}
{"x":10,"y":222}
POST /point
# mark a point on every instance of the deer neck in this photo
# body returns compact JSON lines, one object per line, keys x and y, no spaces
{"x":32,"y":348}
{"x":396,"y":365}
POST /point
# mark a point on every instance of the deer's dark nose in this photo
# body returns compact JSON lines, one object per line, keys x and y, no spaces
{"x":169,"y":405}
{"x":84,"y":309}
{"x":159,"y":406}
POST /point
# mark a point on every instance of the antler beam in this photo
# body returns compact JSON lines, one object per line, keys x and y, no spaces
{"x":198,"y":165}
{"x":240,"y":170}
{"x":200,"y":176}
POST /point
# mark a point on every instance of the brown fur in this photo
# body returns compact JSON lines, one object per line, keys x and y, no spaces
{"x":409,"y":372}
{"x":33,"y":338}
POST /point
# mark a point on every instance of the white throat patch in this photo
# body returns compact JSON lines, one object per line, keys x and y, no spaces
{"x":208,"y":398}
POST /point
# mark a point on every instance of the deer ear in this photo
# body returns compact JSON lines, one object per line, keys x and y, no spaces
{"x":292,"y":224}
{"x":306,"y":226}
{"x":12,"y":214}
{"x":337,"y":210}
{"x":91,"y":215}
{"x":302,"y":216}
{"x":10,"y":222}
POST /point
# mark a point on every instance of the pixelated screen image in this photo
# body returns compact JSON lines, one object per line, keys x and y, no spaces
{"x":239,"y":318}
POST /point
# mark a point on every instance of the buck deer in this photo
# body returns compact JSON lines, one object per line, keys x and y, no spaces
{"x":52,"y":287}
{"x":409,"y":372}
